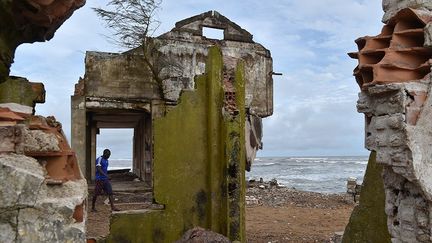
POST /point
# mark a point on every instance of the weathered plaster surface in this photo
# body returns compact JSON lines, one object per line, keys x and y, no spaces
{"x":183,"y":54}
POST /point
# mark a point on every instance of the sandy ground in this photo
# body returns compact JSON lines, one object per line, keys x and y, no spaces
{"x":272,"y":214}
{"x":296,"y":216}
{"x":294,"y":224}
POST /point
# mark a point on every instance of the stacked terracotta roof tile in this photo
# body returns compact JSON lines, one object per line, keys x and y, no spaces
{"x":397,"y":54}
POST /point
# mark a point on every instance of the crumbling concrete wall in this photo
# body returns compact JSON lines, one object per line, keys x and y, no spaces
{"x":199,"y":165}
{"x":42,"y":192}
{"x":182,"y":55}
{"x":394,"y":76}
{"x":115,"y":82}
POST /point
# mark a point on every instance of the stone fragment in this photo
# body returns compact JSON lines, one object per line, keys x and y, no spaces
{"x":8,"y":233}
{"x":8,"y":224}
{"x":36,"y":225}
{"x":200,"y":235}
{"x":21,"y":178}
{"x":351,"y":185}
{"x":392,"y":7}
{"x":39,"y":141}
{"x":406,"y":211}
{"x":8,"y":139}
{"x":45,"y":213}
{"x":20,"y":91}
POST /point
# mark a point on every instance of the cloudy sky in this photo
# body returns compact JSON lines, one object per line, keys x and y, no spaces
{"x":314,"y":100}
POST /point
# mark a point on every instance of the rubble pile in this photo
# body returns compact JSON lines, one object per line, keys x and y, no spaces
{"x":272,"y":194}
{"x":42,"y":194}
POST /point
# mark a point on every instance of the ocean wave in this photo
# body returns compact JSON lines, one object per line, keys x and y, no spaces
{"x":264,"y":164}
{"x":358,"y":162}
{"x":311,"y":158}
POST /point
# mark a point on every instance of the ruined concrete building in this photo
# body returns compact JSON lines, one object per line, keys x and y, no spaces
{"x":394,"y":77}
{"x":195,"y":132}
{"x":42,"y":192}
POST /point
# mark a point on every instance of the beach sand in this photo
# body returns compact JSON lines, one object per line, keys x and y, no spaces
{"x":272,"y":215}
{"x":288,"y":215}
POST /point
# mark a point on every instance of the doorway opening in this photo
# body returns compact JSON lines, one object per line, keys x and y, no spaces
{"x":127,"y":134}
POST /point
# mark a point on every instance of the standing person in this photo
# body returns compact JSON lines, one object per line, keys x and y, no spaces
{"x":102,"y":181}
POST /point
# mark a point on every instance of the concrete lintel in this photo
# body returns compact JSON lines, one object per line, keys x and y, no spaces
{"x":118,"y":105}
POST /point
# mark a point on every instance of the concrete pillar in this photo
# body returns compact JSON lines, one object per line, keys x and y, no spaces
{"x":147,"y":145}
{"x":79,"y":131}
{"x":91,"y":164}
{"x":138,"y":157}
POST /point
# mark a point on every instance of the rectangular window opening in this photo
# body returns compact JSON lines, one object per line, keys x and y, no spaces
{"x":213,"y":33}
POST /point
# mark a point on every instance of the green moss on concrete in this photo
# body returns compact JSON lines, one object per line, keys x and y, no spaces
{"x":191,"y":167}
{"x":20,"y":91}
{"x":368,"y":222}
{"x":235,"y":153}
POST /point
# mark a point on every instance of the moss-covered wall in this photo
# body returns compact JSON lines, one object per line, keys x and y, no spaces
{"x":199,"y":161}
{"x":21,"y":91}
{"x":236,"y":156}
{"x":368,"y":222}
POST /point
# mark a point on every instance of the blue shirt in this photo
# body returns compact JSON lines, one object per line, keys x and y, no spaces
{"x":103,"y":163}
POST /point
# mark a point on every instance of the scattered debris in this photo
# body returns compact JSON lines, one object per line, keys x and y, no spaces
{"x":200,"y":235}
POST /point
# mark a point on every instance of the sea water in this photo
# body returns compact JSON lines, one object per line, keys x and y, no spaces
{"x":317,"y":174}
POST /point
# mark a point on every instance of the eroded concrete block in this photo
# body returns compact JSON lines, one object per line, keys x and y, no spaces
{"x":37,"y":140}
{"x":21,"y":177}
{"x":31,"y":210}
{"x":392,"y":7}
